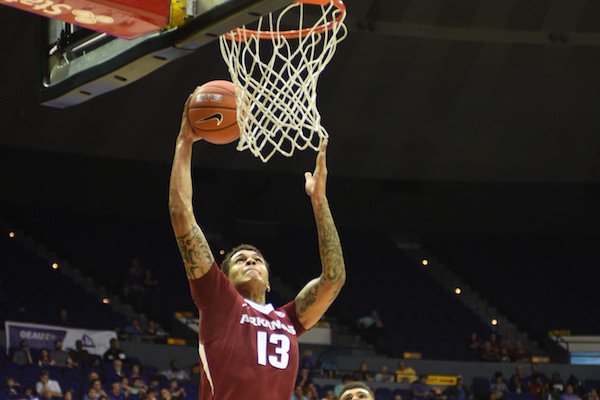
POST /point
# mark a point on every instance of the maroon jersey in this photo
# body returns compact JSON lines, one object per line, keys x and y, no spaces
{"x":247,"y":350}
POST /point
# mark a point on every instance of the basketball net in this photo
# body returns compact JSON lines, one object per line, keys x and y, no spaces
{"x":275,"y":72}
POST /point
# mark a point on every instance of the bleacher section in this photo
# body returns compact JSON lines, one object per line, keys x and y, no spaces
{"x":540,"y":283}
{"x":30,"y":290}
{"x":418,"y":313}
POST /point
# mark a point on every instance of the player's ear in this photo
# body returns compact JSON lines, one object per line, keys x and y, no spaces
{"x":268,"y":287}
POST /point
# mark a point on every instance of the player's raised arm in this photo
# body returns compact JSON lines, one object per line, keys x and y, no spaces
{"x":316,"y":297}
{"x":193,"y":246}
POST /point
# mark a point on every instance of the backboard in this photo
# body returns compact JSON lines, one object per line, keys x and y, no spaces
{"x":90,"y":47}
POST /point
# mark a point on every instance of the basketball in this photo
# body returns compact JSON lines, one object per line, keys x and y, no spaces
{"x":212,"y":112}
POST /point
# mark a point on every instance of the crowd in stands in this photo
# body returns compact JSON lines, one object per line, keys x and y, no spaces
{"x":533,"y":385}
{"x":494,"y":349}
{"x":77,"y":374}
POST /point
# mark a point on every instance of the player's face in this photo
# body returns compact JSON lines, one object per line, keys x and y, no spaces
{"x":248,"y":266}
{"x":356,"y":394}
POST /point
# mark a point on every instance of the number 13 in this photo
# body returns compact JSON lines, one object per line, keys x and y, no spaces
{"x":282,"y":349}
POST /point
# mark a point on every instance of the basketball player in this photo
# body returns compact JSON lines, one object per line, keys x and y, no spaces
{"x":249,"y":349}
{"x":356,"y":391}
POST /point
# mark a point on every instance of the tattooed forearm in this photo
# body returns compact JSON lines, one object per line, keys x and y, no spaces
{"x":307,"y":297}
{"x":330,"y":247}
{"x":195,"y":252}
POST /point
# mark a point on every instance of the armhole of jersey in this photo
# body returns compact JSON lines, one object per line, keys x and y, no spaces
{"x":291,"y":312}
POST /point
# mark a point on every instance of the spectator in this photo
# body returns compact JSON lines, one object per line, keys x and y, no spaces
{"x":520,"y":353}
{"x":91,"y":394}
{"x":346,"y":379}
{"x":298,"y":393}
{"x":535,"y":373}
{"x":149,"y":283}
{"x":420,"y":389}
{"x":114,"y":352}
{"x":116,"y":372}
{"x":68,"y":394}
{"x":498,"y":388}
{"x":45,"y":359}
{"x":176,"y":372}
{"x":135,"y":275}
{"x":488,"y":353}
{"x":405,"y":374}
{"x":63,"y":318}
{"x":97,"y":386}
{"x":570,"y":394}
{"x":474,"y":343}
{"x":136,"y":372}
{"x":307,"y":359}
{"x":458,"y":391}
{"x":504,"y":356}
{"x":165,"y":394}
{"x":23,"y":355}
{"x":153,"y":332}
{"x":384,"y":374}
{"x":70,"y":364}
{"x":304,"y":378}
{"x":13,"y":387}
{"x":363,"y":373}
{"x":28,"y":394}
{"x":371,"y":328}
{"x":329,"y":395}
{"x":494,"y":342}
{"x":310,"y":392}
{"x":556,"y":383}
{"x":133,"y":288}
{"x":115,"y":392}
{"x":592,"y":395}
{"x":507,"y":342}
{"x":79,"y":354}
{"x":138,"y":388}
{"x":126,"y":388}
{"x":92,"y":376}
{"x":46,"y":387}
{"x":515,"y":385}
{"x":133,"y":331}
{"x":397,"y":397}
{"x":154,"y":385}
{"x":177,"y":392}
{"x":58,"y":354}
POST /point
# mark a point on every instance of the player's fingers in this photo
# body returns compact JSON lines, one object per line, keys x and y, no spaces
{"x":307,"y":175}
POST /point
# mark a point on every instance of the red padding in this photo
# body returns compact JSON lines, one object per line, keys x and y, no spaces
{"x":124,"y":18}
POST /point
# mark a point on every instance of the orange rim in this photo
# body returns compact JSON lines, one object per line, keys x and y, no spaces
{"x":240,"y":34}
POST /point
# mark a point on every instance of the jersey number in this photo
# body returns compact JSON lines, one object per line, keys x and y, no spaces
{"x":281,"y":358}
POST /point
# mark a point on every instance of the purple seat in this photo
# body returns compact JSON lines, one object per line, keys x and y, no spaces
{"x":383,"y":394}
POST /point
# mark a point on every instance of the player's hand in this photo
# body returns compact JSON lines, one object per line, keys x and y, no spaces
{"x":316,"y":182}
{"x":185,"y":130}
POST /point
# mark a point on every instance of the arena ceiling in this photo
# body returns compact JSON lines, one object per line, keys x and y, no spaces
{"x":426,"y":90}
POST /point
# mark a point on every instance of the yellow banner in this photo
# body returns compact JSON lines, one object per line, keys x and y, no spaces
{"x":176,"y":341}
{"x":559,"y":332}
{"x":414,"y":355}
{"x":441,"y":380}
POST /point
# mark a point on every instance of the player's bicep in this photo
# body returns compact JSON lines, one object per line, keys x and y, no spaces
{"x":313,"y":300}
{"x":195,"y":252}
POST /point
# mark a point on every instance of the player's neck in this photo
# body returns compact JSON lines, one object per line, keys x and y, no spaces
{"x":252,"y":291}
{"x":258,"y":298}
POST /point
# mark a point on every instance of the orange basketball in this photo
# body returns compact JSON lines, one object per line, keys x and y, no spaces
{"x":212,"y":112}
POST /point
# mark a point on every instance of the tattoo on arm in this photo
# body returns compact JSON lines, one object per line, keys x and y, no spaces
{"x":307,"y":296}
{"x":195,"y":252}
{"x":330,"y":247}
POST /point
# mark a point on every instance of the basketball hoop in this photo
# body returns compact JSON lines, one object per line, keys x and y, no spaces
{"x":275,"y":71}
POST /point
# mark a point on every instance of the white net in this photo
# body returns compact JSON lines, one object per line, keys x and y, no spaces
{"x":276,"y":70}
